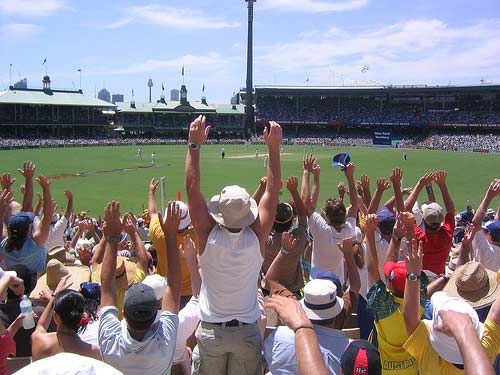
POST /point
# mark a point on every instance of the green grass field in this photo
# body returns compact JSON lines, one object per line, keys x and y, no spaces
{"x":468,"y":174}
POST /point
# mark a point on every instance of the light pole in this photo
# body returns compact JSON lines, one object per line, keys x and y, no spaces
{"x":250,"y":116}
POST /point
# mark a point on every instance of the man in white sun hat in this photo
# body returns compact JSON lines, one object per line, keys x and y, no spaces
{"x":184,"y":233}
{"x":232,"y":230}
{"x":322,"y":306}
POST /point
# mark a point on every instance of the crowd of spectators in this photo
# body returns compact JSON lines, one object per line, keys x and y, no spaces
{"x":461,"y":142}
{"x":252,"y":284}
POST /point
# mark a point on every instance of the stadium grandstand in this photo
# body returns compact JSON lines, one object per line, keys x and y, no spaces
{"x":442,"y":117}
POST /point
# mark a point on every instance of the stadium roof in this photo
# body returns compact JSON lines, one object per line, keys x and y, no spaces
{"x":50,"y":97}
{"x":176,"y":107}
{"x":373,"y":89}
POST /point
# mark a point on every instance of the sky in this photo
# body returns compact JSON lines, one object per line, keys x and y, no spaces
{"x":121,"y":44}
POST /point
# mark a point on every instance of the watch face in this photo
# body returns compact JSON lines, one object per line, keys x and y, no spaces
{"x":412,"y":277}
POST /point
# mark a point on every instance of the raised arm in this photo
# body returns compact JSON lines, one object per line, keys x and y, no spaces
{"x":292,"y":184}
{"x":69,"y":206}
{"x":465,"y":248}
{"x":440,"y":178}
{"x":494,"y":314}
{"x":152,"y":209}
{"x":402,"y":228}
{"x":112,"y":229}
{"x":43,"y":323}
{"x":28,"y":172}
{"x":411,"y":304}
{"x":367,"y":195}
{"x":42,"y":230}
{"x":259,"y":192}
{"x":382,"y":185}
{"x":372,"y":266}
{"x":188,"y":251}
{"x":459,"y":326}
{"x":6,"y":197}
{"x":422,"y":182}
{"x":353,"y":194}
{"x":130,"y":227}
{"x":396,"y":178}
{"x":352,"y":269}
{"x":172,"y":296}
{"x":309,"y":358}
{"x":316,"y":171}
{"x":267,"y":206}
{"x":38,"y":206}
{"x":492,"y":192}
{"x":200,"y":217}
{"x":305,"y":192}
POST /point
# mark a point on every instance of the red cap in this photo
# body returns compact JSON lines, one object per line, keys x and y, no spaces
{"x":396,"y":273}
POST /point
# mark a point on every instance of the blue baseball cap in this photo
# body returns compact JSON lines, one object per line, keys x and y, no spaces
{"x":317,"y":273}
{"x":341,"y":160}
{"x":386,"y":220}
{"x":20,"y":222}
{"x":493,"y":227}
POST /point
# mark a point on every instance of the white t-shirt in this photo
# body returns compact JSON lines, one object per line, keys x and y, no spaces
{"x":486,"y":253}
{"x":56,"y":232}
{"x":152,"y":355}
{"x":325,"y":254}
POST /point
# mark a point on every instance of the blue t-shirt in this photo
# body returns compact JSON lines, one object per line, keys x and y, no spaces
{"x":31,"y":255}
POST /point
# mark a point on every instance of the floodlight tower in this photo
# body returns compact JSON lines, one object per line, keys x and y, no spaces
{"x":250,"y":115}
{"x":150,"y":84}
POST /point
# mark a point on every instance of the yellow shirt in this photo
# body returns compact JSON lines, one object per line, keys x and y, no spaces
{"x":391,"y":335}
{"x":158,"y":237}
{"x":429,"y":361}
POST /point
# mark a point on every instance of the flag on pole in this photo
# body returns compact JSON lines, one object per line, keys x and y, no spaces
{"x":132,"y":93}
{"x":203,"y":89}
{"x":162,"y":87}
{"x":183,"y":70}
{"x":80,"y":70}
{"x":44,"y":61}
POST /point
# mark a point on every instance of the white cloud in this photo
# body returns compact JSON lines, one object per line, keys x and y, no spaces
{"x":209,"y":61}
{"x":172,"y":17}
{"x":18,"y":31}
{"x":313,"y":6}
{"x":424,"y":50}
{"x":30,"y":7}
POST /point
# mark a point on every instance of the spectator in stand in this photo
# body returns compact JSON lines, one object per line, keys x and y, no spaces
{"x":140,"y":345}
{"x":327,"y":311}
{"x":437,"y":235}
{"x":435,"y":350}
{"x":156,"y":234}
{"x":385,"y":299}
{"x":232,"y":231}
{"x":67,"y":308}
{"x":486,"y":239}
{"x":468,"y":214}
{"x":334,"y":225}
{"x":20,"y":247}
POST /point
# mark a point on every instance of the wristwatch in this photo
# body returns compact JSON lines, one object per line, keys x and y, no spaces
{"x":412,"y":276}
{"x":396,"y":238}
{"x":193,"y":146}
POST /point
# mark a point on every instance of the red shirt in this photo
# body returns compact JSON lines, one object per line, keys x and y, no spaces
{"x":437,"y":245}
{"x":7,"y":346}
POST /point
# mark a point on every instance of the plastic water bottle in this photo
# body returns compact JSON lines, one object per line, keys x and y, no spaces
{"x":27,"y":311}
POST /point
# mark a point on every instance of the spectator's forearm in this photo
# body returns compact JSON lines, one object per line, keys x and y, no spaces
{"x":309,"y":358}
{"x":448,"y":202}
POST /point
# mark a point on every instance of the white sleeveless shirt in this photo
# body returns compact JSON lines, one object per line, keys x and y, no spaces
{"x":230,"y":265}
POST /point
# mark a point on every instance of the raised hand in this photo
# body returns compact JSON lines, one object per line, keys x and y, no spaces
{"x":153,"y":186}
{"x":494,"y":188}
{"x":292,"y":183}
{"x":28,"y":170}
{"x":451,"y":320}
{"x":365,"y":182}
{"x":397,"y":177}
{"x":400,"y":228}
{"x":427,"y":179}
{"x":407,"y":191}
{"x":308,"y":162}
{"x":359,"y":188}
{"x":316,"y":170}
{"x":68,"y":194}
{"x":6,"y":181}
{"x":273,"y":136}
{"x":414,"y":258}
{"x":112,"y":224}
{"x":188,"y":248}
{"x":288,"y":241}
{"x":198,"y":130}
{"x":341,"y":189}
{"x":371,"y":222}
{"x":6,"y":197}
{"x":44,"y":182}
{"x":469,"y":235}
{"x":440,"y":177}
{"x":382,"y":184}
{"x":170,"y":223}
{"x":64,"y":284}
{"x":345,"y":246}
{"x":349,"y":171}
{"x":129,"y":224}
{"x":290,"y":312}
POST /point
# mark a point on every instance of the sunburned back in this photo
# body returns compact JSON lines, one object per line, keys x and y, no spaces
{"x":48,"y":344}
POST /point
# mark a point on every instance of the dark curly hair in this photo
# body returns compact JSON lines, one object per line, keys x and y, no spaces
{"x":335,"y":211}
{"x":70,"y":306}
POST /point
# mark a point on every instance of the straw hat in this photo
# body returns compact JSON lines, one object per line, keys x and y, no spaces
{"x":125,"y":273}
{"x":55,"y":271}
{"x":475,"y":284}
{"x":60,"y":253}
